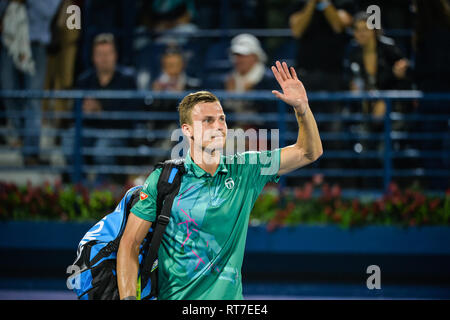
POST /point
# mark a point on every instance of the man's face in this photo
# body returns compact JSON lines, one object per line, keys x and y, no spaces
{"x":104,"y":57}
{"x":173,"y":65}
{"x":243,"y":63}
{"x":209,"y":128}
{"x":361,"y":33}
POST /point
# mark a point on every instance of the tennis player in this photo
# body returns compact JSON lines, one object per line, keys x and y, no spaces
{"x":202,"y":250}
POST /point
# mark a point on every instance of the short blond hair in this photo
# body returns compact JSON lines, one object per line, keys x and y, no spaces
{"x":190,"y":101}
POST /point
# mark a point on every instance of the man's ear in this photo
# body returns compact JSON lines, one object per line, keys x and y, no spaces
{"x":187,"y":131}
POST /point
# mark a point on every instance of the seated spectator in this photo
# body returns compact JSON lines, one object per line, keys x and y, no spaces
{"x":173,"y":76}
{"x":249,"y":70}
{"x":106,"y":75}
{"x":23,"y":60}
{"x":249,"y":73}
{"x":375,"y":63}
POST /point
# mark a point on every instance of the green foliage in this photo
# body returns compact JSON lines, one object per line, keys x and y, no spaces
{"x":74,"y":203}
{"x":410,"y":207}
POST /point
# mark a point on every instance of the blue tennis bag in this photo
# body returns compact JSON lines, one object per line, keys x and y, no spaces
{"x":93,"y":274}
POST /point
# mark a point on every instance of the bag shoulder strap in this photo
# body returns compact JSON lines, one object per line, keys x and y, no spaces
{"x":169,"y":183}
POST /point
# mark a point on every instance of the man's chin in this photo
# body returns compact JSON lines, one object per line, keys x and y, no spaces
{"x":214,"y":147}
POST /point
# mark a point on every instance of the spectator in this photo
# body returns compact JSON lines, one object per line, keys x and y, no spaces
{"x":33,"y":18}
{"x":173,"y":76}
{"x":375,"y":63}
{"x":62,"y":53}
{"x":319,"y":26}
{"x":249,"y":72}
{"x":106,"y":75}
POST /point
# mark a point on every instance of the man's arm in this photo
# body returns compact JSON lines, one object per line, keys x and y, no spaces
{"x":308,"y":147}
{"x":337,"y":19}
{"x":299,"y":21}
{"x":128,"y":255}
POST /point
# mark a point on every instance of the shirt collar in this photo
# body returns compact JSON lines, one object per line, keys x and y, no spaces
{"x":191,"y":166}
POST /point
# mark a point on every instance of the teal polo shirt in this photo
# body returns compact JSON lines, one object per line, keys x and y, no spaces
{"x":202,"y":250}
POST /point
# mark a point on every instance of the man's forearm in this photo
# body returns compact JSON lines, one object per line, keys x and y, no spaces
{"x":308,"y":135}
{"x":127,"y":270}
{"x":299,"y":21}
{"x":332,"y":16}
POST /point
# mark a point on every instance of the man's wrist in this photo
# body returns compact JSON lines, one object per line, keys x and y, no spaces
{"x":322,"y":5}
{"x":130,"y":298}
{"x":301,"y":111}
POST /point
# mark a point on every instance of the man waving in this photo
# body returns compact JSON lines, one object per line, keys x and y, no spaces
{"x":202,"y":250}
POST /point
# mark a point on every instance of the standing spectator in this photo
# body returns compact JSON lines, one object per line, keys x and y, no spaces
{"x":62,"y":53}
{"x":17,"y":75}
{"x":106,"y":75}
{"x":319,"y":26}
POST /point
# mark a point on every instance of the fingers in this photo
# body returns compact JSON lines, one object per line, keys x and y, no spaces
{"x":281,"y":71}
{"x":277,"y":75}
{"x":277,"y":94}
{"x":286,"y":70}
{"x":294,"y":74}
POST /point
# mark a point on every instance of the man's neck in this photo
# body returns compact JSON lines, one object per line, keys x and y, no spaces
{"x":104,"y":77}
{"x":371,"y":46}
{"x":209,"y":162}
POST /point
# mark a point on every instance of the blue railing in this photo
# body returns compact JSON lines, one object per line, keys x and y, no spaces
{"x":280,"y":115}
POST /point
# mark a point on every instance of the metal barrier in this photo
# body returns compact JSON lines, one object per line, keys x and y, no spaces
{"x":285,"y":121}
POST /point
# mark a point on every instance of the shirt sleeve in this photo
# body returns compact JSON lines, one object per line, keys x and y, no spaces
{"x":145,"y":208}
{"x":262,"y":167}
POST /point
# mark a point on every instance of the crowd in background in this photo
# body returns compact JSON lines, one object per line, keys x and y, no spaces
{"x":131,"y":45}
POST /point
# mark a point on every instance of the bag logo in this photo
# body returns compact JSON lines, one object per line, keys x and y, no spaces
{"x":143,"y":196}
{"x":229,"y":183}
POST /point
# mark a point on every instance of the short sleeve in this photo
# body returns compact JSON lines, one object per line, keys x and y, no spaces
{"x":262,"y":166}
{"x":145,"y":208}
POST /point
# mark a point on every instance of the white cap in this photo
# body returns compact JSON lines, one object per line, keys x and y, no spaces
{"x":245,"y":44}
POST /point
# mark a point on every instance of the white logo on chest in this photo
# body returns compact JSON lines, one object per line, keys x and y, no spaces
{"x":229,"y":183}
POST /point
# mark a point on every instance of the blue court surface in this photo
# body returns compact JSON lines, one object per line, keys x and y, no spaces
{"x":46,"y":289}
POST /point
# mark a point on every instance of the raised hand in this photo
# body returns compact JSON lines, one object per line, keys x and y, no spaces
{"x":294,"y":93}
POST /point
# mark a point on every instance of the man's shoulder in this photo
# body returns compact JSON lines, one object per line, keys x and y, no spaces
{"x":152,"y":179}
{"x":86,"y":78}
{"x":246,"y":157}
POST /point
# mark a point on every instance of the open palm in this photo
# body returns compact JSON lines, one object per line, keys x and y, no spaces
{"x":294,"y":92}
